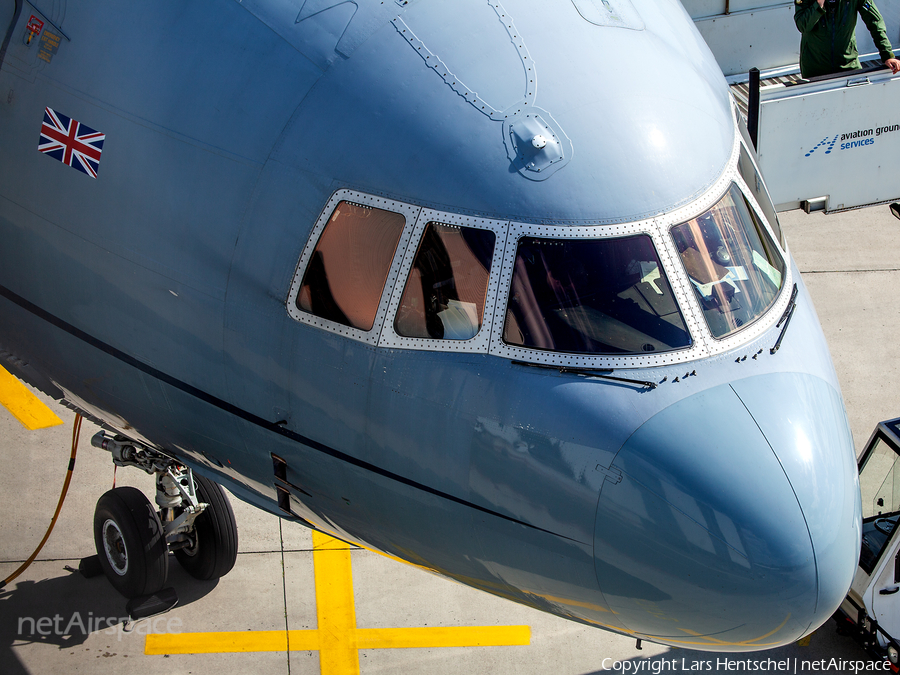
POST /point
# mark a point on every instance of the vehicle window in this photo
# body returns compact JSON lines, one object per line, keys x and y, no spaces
{"x":754,"y":182}
{"x":346,"y":274}
{"x":734,"y":267}
{"x":445,"y":294}
{"x":592,"y":296}
{"x":879,"y":484}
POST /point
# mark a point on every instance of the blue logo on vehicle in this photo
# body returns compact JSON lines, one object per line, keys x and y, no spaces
{"x":823,"y":142}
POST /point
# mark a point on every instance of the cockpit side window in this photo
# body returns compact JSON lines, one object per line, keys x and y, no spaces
{"x":346,"y":275}
{"x":750,"y":173}
{"x":444,"y":296}
{"x":733,"y":265}
{"x":592,"y":296}
{"x":751,"y":177}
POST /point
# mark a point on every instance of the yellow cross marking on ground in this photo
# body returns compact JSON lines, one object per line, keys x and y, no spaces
{"x":25,"y":406}
{"x":337,"y":638}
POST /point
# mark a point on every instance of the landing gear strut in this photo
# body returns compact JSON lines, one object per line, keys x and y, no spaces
{"x":133,"y":539}
{"x":211,"y":548}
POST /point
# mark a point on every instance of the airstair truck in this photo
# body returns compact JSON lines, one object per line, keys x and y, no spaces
{"x":827,"y":143}
{"x":831,"y":142}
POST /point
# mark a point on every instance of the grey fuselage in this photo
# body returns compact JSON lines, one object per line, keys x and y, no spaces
{"x":718,"y":510}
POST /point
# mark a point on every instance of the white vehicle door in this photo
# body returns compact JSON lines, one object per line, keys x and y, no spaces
{"x":879,"y":556}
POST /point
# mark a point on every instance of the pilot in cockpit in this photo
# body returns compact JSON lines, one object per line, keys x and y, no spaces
{"x":708,"y":261}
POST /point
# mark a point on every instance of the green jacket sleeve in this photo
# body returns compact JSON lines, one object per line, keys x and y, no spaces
{"x":875,"y":23}
{"x":807,"y":14}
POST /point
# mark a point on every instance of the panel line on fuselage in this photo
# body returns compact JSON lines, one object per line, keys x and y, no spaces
{"x":246,"y":415}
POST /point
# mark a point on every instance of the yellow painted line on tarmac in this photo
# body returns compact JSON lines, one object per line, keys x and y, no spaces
{"x":448,"y":636}
{"x":365,"y":638}
{"x":24,"y":405}
{"x":337,"y":638}
{"x":233,"y":642}
{"x":335,"y":609}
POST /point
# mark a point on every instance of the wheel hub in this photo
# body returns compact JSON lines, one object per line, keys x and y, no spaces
{"x":114,"y":547}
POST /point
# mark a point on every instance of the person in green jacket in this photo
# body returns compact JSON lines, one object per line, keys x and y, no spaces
{"x":828,"y":40}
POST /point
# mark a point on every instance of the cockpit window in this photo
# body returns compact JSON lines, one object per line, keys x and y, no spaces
{"x":753,"y":180}
{"x":733,"y":265}
{"x":445,"y":293}
{"x":346,"y":274}
{"x":592,"y":296}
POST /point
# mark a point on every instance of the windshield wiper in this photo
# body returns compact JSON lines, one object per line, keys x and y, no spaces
{"x":785,"y":319}
{"x":605,"y":374}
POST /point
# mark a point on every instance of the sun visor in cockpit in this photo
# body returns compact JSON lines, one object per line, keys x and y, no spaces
{"x":613,"y":13}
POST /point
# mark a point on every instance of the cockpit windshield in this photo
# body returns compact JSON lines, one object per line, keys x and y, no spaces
{"x":592,"y":296}
{"x":734,"y":267}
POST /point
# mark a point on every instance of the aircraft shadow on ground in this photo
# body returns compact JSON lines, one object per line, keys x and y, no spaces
{"x":65,"y":610}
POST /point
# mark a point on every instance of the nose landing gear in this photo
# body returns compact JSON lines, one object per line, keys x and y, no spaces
{"x":133,"y":539}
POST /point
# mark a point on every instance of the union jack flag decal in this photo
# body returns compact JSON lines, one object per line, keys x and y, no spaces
{"x":71,"y":142}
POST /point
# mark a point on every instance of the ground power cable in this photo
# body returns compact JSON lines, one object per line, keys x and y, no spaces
{"x":76,"y":430}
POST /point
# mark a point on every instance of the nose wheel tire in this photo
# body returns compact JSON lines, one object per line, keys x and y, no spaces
{"x":213,"y":547}
{"x":130,"y":542}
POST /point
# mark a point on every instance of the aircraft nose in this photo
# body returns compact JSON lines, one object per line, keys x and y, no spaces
{"x":806,"y":426}
{"x":730,"y":520}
